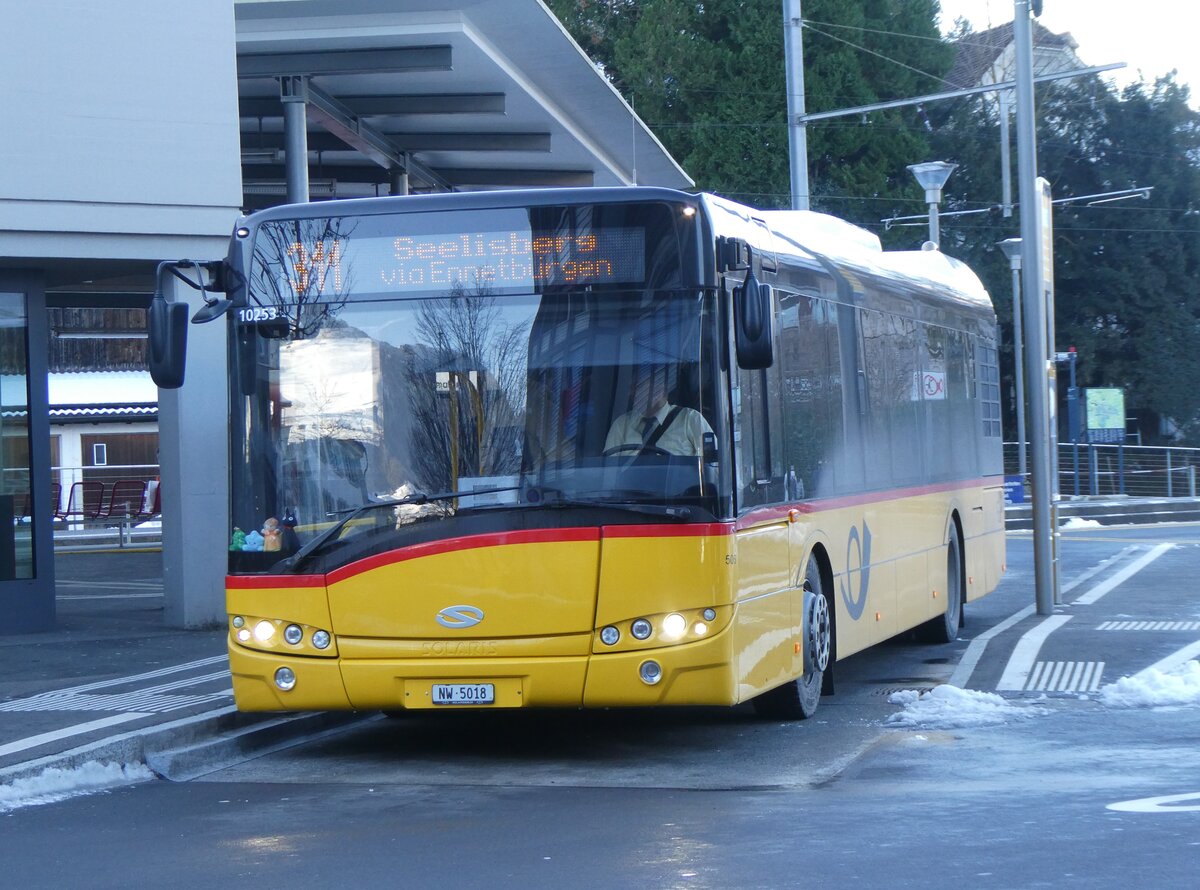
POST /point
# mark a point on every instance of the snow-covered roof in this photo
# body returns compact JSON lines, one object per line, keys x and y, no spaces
{"x":97,"y":388}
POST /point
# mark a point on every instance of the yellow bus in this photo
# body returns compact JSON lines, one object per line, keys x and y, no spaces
{"x":595,"y":448}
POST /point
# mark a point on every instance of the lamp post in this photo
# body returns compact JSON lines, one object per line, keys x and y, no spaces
{"x":932,"y":176}
{"x":1012,"y":250}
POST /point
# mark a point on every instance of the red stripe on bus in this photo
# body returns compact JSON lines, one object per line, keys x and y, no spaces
{"x":272,"y":582}
{"x":471,"y":542}
{"x":778,"y":512}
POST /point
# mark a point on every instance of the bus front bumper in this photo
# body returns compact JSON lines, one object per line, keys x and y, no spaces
{"x":690,"y":674}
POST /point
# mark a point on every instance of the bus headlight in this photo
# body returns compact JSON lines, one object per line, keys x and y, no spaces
{"x":264,"y":630}
{"x":650,"y":672}
{"x":285,"y":678}
{"x":293,"y":634}
{"x":673,"y":626}
{"x":320,"y":639}
{"x":609,"y":635}
{"x":641,"y":629}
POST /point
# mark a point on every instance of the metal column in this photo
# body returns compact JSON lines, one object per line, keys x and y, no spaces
{"x":293,"y":93}
{"x":1037,"y":347}
{"x":793,"y":53}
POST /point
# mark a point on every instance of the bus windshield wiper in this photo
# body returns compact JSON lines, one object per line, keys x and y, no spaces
{"x":290,"y":564}
{"x":680,"y":512}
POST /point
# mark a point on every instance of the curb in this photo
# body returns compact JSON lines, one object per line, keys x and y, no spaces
{"x":1111,"y":512}
{"x":193,"y":743}
{"x":185,"y":763}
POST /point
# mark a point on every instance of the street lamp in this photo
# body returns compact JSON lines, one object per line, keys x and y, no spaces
{"x":932,"y":177}
{"x":1012,"y":250}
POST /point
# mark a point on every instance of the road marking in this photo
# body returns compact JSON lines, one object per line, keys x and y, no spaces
{"x":971,"y":658}
{"x":1172,"y":661}
{"x":1065,"y":676}
{"x":1124,"y":575}
{"x":1020,"y":663}
{"x":151,"y":699}
{"x":1149,"y":625}
{"x":966,"y":666}
{"x":117,"y":585}
{"x":46,"y":738}
{"x":110,"y":596}
{"x":1158,"y":804}
{"x":1098,"y":568}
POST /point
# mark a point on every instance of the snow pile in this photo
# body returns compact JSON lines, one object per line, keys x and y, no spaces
{"x":1153,"y":688}
{"x":55,"y":784}
{"x":948,"y":707}
{"x":1080,"y":522}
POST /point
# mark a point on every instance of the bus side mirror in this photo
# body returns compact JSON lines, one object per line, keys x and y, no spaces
{"x":167,"y":324}
{"x":754,"y":324}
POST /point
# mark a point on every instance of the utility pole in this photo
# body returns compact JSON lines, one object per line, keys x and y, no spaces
{"x":793,"y":54}
{"x":1012,"y":250}
{"x":1036,"y":332}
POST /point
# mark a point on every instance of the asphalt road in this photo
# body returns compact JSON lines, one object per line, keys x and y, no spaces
{"x":710,"y":798}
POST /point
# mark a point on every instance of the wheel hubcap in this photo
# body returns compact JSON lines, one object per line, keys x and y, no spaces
{"x":818,"y":640}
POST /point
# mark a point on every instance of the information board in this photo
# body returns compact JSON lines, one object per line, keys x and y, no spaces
{"x":1105,"y":414}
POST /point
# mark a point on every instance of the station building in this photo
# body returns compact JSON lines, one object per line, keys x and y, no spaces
{"x":138,"y":131}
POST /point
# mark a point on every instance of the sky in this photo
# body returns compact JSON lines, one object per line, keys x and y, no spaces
{"x":1150,"y":36}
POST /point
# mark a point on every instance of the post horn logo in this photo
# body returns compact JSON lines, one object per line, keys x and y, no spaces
{"x":858,"y":561}
{"x":459,"y":617}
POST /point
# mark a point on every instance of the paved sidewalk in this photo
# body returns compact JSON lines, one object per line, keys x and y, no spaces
{"x":109,"y":668}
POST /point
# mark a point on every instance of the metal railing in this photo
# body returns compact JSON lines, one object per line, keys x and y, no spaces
{"x":1142,"y":471}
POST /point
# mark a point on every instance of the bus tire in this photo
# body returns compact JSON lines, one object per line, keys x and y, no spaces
{"x":798,"y":699}
{"x":944,"y":628}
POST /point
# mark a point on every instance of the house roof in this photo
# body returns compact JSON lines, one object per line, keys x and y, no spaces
{"x":978,"y":53}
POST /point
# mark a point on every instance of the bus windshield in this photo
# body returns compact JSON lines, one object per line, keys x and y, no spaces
{"x":371,"y":422}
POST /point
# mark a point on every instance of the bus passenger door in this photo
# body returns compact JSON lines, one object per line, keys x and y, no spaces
{"x":768,"y":622}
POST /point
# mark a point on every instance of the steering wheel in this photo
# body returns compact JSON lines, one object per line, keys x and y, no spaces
{"x":640,"y":449}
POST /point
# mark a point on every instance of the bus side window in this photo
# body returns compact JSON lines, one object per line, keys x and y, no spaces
{"x":761,"y":473}
{"x":812,"y":410}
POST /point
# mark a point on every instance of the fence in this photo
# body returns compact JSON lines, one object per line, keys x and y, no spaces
{"x":1141,"y":471}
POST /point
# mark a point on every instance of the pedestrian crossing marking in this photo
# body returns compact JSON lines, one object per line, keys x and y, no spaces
{"x":1149,"y":625}
{"x":1065,"y":676}
{"x":160,"y":698}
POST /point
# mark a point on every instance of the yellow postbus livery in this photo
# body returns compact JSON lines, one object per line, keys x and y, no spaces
{"x":592,"y":448}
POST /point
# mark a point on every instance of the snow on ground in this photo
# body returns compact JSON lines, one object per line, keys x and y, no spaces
{"x":1152,"y":688}
{"x":1079,"y":522}
{"x":948,"y":707}
{"x":55,"y":784}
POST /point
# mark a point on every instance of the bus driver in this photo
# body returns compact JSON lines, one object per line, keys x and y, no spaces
{"x":653,"y":422}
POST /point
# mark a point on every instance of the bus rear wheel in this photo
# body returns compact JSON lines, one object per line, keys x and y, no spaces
{"x":944,"y":628}
{"x":798,"y":699}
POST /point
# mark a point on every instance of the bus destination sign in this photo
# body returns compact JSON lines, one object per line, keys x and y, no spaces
{"x":514,"y":258}
{"x":501,"y":259}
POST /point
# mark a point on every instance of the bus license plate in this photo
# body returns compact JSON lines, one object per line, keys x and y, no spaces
{"x":464,"y":693}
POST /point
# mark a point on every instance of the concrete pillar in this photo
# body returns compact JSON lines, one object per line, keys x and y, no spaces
{"x":193,"y":456}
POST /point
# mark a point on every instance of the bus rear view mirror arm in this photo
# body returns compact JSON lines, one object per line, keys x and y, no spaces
{"x":167,"y":322}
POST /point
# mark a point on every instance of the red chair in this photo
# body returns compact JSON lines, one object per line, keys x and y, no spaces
{"x":125,"y":499}
{"x":83,"y":502}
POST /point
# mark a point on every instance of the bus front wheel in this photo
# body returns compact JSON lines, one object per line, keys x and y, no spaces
{"x":798,"y":699}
